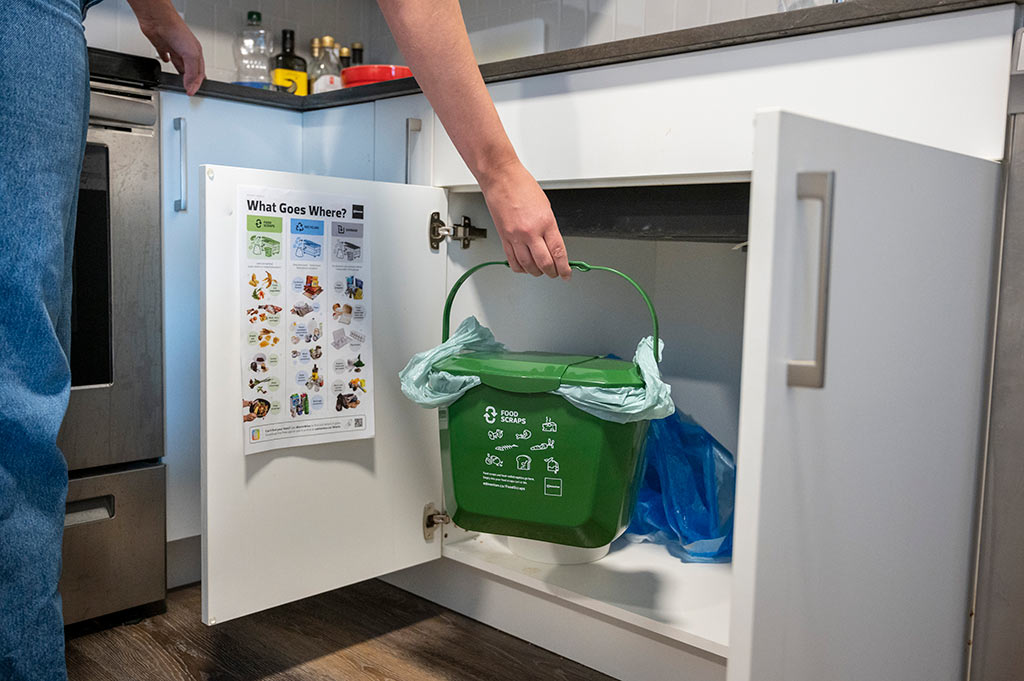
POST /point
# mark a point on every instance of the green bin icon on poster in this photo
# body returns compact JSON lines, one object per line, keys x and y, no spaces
{"x":262,"y":246}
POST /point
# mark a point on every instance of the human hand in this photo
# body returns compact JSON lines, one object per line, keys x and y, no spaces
{"x":174,"y":42}
{"x":523,"y":218}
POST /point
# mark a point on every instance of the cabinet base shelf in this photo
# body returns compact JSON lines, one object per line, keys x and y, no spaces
{"x":639,"y":584}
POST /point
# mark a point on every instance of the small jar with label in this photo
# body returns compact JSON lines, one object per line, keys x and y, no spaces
{"x":325,"y":75}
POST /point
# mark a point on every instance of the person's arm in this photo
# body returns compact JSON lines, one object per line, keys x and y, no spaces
{"x":173,"y":40}
{"x":451,"y":81}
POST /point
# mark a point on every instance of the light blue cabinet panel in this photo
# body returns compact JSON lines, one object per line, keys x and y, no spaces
{"x":401,"y":151}
{"x":221,"y":132}
{"x":339,"y":142}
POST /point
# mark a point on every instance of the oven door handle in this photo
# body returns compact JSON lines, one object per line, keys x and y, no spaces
{"x":181,"y":203}
{"x":120,"y":110}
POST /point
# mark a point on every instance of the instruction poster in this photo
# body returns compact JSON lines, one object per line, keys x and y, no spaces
{"x":307,"y":350}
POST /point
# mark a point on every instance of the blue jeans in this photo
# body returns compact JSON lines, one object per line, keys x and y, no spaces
{"x":44,"y":102}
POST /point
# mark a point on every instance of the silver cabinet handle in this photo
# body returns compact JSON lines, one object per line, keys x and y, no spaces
{"x":802,"y":373}
{"x":181,"y":203}
{"x":411,"y":125}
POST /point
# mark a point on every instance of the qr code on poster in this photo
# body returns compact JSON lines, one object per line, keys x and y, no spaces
{"x":357,"y":422}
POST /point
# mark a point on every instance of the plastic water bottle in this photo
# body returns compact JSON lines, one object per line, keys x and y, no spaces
{"x":253,"y":49}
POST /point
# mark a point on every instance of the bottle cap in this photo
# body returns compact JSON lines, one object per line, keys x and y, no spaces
{"x":344,"y":51}
{"x":327,"y":41}
{"x":315,"y":42}
{"x":357,"y":46}
{"x":254,"y":18}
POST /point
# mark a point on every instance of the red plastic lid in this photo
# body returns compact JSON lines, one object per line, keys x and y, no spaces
{"x":365,"y":74}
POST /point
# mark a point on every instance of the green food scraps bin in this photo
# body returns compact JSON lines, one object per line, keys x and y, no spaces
{"x":528,"y":463}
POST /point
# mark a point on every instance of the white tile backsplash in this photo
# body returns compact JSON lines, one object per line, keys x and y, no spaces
{"x":111,"y":25}
{"x":600,"y":21}
{"x":550,"y":12}
{"x":223,"y":54}
{"x":574,"y":23}
{"x":520,"y":10}
{"x":567,"y":23}
{"x":474,"y":24}
{"x":727,"y":10}
{"x":629,"y":19}
{"x":756,"y":8}
{"x":300,"y":11}
{"x":659,"y":16}
{"x":129,"y":37}
{"x":101,"y":26}
{"x":572,"y":29}
{"x":690,"y":13}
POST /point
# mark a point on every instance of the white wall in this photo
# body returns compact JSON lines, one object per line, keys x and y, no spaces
{"x":111,"y":25}
{"x":575,"y":23}
{"x":567,"y":23}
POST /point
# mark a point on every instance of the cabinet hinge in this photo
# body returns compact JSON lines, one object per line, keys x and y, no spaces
{"x":432,"y":518}
{"x":465,"y":232}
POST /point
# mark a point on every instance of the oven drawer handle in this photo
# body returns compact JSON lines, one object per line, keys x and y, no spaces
{"x":84,"y":511}
{"x":181,"y":203}
{"x":121,"y":110}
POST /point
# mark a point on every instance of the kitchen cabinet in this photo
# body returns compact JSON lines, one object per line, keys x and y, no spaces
{"x":917,"y":80}
{"x":686,"y":115}
{"x":869,"y":259}
{"x":194,"y":131}
{"x":854,"y":501}
{"x":339,"y":141}
{"x":403,"y":136}
{"x":371,"y":141}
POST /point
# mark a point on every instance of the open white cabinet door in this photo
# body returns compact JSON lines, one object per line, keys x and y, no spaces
{"x":282,"y":525}
{"x":855,"y":499}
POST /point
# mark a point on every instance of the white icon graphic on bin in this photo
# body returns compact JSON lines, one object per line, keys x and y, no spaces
{"x":550,"y":444}
{"x":490,"y":414}
{"x":549,"y":425}
{"x":525,"y":435}
{"x":523,"y":462}
{"x":553,"y":487}
{"x":552,"y":465}
{"x":493,"y":460}
{"x":496,"y":434}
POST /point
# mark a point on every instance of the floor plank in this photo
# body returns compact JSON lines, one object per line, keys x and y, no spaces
{"x":366,"y":632}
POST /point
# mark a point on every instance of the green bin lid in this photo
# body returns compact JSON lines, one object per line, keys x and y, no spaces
{"x":536,"y":372}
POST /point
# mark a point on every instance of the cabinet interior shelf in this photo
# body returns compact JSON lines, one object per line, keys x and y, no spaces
{"x":716,"y":212}
{"x":638,"y":584}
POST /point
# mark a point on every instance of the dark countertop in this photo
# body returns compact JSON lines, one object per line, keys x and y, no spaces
{"x":114,"y":66}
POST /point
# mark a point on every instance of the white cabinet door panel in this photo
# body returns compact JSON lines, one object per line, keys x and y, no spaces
{"x":286,"y":524}
{"x":854,"y":501}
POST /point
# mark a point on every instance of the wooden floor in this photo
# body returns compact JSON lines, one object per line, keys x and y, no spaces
{"x":369,"y":631}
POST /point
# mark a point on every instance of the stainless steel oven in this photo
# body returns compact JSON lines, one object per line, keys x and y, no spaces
{"x":113,"y":434}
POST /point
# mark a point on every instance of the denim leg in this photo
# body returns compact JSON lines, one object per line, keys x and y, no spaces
{"x":43,"y":116}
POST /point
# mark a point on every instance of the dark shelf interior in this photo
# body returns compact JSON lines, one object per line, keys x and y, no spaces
{"x":696,"y":212}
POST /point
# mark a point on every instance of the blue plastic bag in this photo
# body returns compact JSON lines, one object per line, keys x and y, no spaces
{"x":686,"y":496}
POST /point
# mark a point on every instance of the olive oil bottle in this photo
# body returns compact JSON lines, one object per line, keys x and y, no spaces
{"x":289,"y":69}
